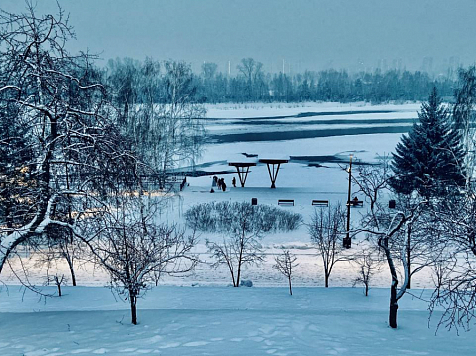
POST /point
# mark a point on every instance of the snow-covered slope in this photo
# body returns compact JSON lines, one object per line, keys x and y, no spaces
{"x":222,"y":321}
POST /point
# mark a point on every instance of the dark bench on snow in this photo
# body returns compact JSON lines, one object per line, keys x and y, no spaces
{"x":286,"y":202}
{"x":320,"y":203}
{"x":356,"y":203}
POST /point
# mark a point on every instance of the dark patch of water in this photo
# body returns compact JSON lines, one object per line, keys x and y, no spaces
{"x":326,"y":122}
{"x":352,"y":112}
{"x":201,"y":173}
{"x":315,"y":161}
{"x":300,"y":134}
{"x":321,"y":159}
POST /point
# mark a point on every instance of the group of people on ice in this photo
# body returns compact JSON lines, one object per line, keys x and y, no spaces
{"x":219,"y":183}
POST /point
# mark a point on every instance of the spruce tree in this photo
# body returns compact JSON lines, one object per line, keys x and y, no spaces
{"x":429,"y":159}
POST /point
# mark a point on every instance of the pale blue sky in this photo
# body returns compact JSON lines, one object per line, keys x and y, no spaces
{"x":314,"y":34}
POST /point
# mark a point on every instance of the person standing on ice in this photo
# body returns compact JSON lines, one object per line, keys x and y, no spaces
{"x":214,"y":184}
{"x":233,"y":181}
{"x":223,"y":184}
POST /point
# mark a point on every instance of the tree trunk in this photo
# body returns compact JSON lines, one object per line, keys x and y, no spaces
{"x":11,"y":242}
{"x":71,"y":269}
{"x":59,"y":289}
{"x":8,"y":216}
{"x":290,"y":288}
{"x":326,"y":279}
{"x":240,"y":259}
{"x":233,"y":278}
{"x":409,"y":255}
{"x":238,"y":275}
{"x":366,"y":289}
{"x":392,"y":319}
{"x":393,"y":306}
{"x":73,"y":277}
{"x":133,"y":300}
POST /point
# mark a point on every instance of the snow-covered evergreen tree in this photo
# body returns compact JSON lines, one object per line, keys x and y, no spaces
{"x":429,"y":159}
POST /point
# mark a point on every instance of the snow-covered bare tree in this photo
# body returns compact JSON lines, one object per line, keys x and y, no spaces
{"x":209,"y":82}
{"x":327,"y":229}
{"x":397,"y":233}
{"x":243,"y":226}
{"x":180,"y":117}
{"x":160,"y":110}
{"x":286,"y":263}
{"x":131,"y":246}
{"x":455,"y":227}
{"x":464,"y":116}
{"x":72,"y":151}
{"x":455,"y":268}
{"x":252,"y":71}
{"x":57,"y":280}
{"x":58,"y":246}
{"x":368,"y":264}
{"x":134,"y":89}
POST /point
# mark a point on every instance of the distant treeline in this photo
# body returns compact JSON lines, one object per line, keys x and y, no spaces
{"x":252,"y":83}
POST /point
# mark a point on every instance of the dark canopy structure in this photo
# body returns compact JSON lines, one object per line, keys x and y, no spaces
{"x":240,"y":168}
{"x":273,"y":173}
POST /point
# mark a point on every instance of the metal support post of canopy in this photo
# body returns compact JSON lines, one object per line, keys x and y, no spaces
{"x":273,"y":171}
{"x":242,"y":168}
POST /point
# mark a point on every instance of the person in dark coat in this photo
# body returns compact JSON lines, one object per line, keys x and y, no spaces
{"x":233,"y":181}
{"x":214,"y":184}
{"x":223,"y":184}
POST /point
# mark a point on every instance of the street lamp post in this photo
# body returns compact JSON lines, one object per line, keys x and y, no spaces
{"x":347,"y":241}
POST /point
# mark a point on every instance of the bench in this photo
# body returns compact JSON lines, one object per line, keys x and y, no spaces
{"x":356,"y":203}
{"x":286,"y":202}
{"x":320,"y":203}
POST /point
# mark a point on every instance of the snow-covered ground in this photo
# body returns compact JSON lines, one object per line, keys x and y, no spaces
{"x":177,"y":319}
{"x":315,"y":171}
{"x":222,"y":321}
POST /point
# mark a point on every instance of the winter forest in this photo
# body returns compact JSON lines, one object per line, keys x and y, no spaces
{"x":137,"y":217}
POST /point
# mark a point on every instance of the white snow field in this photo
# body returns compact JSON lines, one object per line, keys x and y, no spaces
{"x":221,"y":321}
{"x":213,"y":319}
